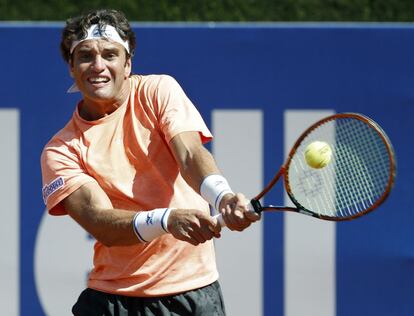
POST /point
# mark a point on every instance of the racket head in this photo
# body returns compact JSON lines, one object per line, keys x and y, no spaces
{"x":359,"y":176}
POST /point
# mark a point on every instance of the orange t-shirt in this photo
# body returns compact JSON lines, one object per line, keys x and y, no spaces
{"x":127,"y":154}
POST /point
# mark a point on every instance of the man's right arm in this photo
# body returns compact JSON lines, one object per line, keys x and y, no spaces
{"x":92,"y":209}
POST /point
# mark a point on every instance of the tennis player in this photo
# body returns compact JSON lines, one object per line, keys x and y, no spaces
{"x":130,"y":167}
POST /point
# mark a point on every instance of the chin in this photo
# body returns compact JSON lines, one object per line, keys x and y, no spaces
{"x":100,"y":95}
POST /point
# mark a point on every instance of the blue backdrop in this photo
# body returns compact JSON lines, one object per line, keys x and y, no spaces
{"x":273,"y":67}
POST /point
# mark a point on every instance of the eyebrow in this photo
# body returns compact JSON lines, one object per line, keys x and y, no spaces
{"x":110,"y":48}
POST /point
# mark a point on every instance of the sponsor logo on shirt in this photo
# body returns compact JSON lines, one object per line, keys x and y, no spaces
{"x":52,"y":187}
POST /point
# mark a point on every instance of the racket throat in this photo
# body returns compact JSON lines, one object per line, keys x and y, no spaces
{"x":256,"y":205}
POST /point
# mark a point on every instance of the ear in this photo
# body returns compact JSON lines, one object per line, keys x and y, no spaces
{"x":128,"y":67}
{"x":70,"y":67}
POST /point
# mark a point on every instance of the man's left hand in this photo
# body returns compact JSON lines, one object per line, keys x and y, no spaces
{"x":235,"y":213}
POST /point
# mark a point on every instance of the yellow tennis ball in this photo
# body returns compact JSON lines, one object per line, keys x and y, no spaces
{"x":318,"y":154}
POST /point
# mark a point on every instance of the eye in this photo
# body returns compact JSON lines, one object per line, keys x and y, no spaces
{"x":110,"y":55}
{"x":84,"y":56}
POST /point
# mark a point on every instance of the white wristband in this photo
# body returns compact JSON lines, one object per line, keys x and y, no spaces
{"x":213,"y":188}
{"x":151,"y":224}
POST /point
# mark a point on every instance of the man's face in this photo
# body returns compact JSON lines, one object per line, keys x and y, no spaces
{"x":100,"y":69}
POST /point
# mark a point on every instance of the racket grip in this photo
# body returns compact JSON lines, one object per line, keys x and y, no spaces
{"x":221,"y":221}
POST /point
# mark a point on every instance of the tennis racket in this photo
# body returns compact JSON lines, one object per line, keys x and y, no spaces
{"x":358,"y":178}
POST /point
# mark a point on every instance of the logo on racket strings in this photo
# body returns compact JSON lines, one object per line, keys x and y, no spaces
{"x":310,"y":183}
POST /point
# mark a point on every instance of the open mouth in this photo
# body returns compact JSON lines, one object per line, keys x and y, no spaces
{"x":98,"y":81}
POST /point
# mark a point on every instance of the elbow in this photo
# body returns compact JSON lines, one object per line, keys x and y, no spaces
{"x":107,"y":243}
{"x":107,"y":240}
{"x":114,"y":240}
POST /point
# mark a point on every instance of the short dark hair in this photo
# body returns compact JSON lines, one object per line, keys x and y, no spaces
{"x":76,"y":29}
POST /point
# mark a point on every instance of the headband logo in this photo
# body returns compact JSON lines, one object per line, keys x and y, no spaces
{"x":99,"y":32}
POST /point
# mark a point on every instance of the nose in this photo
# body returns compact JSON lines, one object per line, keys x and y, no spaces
{"x":98,"y":63}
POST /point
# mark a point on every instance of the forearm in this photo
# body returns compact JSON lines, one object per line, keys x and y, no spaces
{"x":111,"y":227}
{"x":203,"y":175}
{"x":93,"y":210}
{"x":197,"y":167}
{"x":195,"y":161}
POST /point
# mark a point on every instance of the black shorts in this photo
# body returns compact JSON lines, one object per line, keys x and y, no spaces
{"x":206,"y":301}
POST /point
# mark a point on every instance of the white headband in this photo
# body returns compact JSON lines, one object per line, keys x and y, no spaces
{"x":106,"y":31}
{"x":95,"y":32}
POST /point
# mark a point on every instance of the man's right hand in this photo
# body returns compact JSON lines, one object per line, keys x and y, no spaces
{"x":193,"y":226}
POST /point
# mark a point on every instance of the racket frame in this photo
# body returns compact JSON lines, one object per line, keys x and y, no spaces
{"x":283,"y":171}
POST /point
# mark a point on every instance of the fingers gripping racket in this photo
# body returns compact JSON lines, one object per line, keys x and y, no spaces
{"x":352,"y":179}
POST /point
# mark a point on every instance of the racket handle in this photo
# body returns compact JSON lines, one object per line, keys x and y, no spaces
{"x":221,"y":221}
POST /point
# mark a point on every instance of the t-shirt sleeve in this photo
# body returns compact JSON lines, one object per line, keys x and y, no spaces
{"x":176,"y":112}
{"x":62,"y":174}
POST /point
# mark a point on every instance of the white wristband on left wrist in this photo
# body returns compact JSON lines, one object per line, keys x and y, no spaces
{"x":149,"y":225}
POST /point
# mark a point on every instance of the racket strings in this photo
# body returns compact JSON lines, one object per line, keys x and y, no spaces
{"x":359,"y":160}
{"x":364,"y":166}
{"x":377,"y":162}
{"x":350,"y":195}
{"x":354,"y":180}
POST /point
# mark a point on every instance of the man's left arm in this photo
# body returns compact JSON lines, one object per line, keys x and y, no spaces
{"x":196,"y":164}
